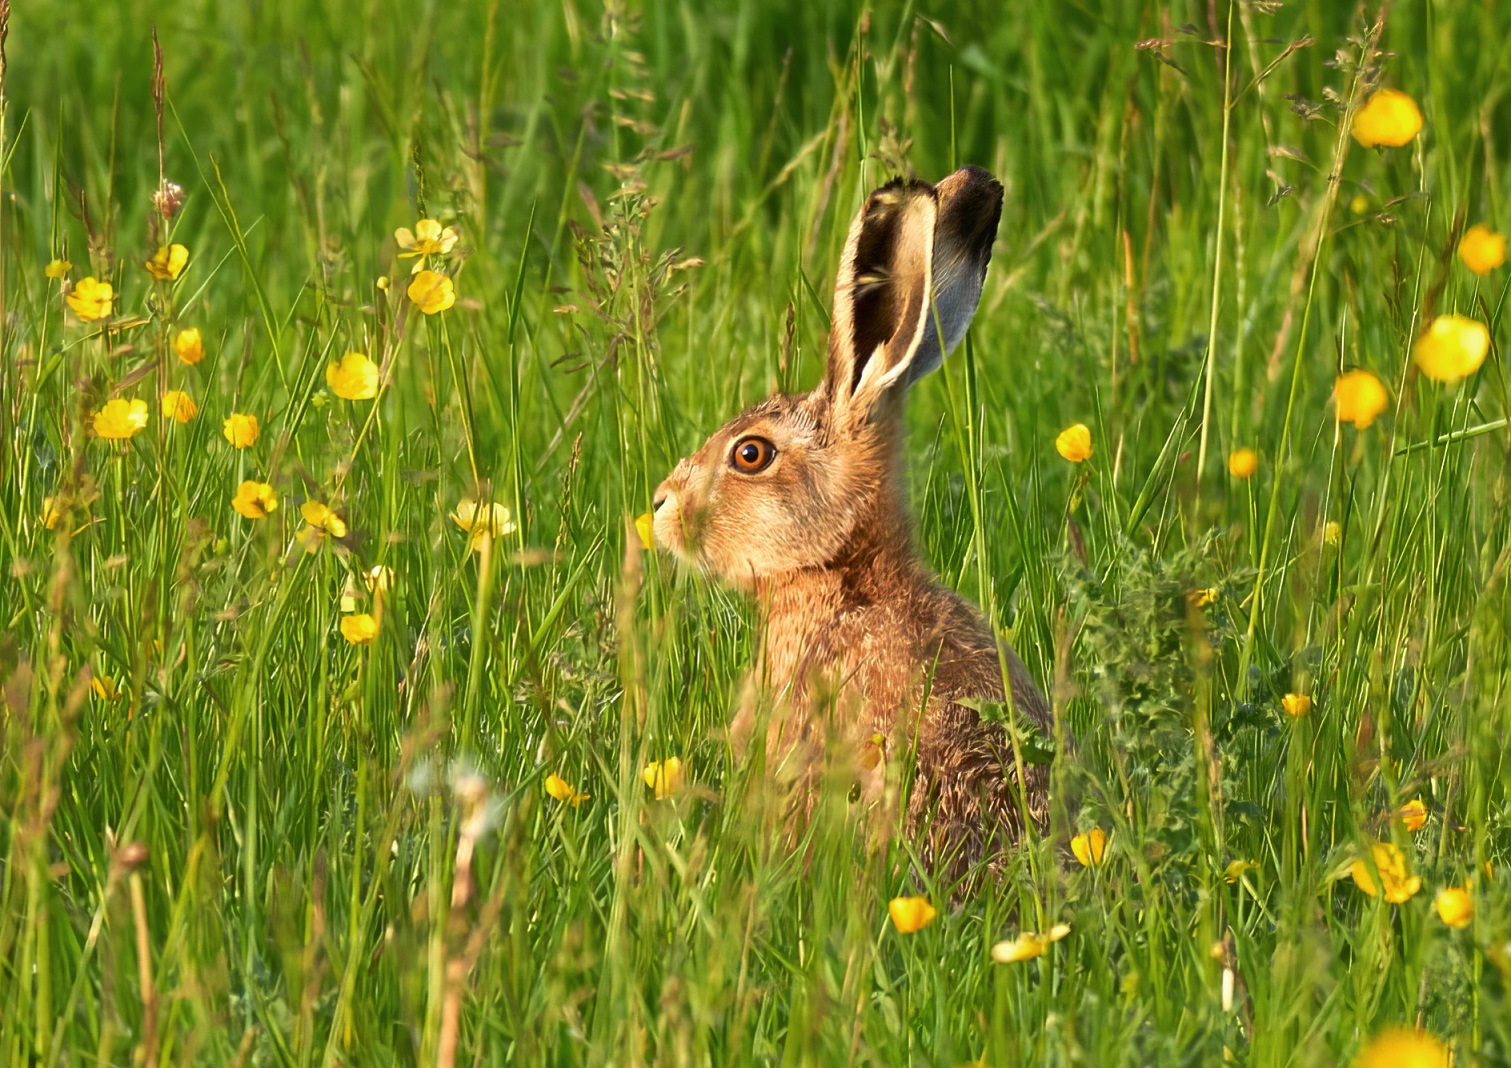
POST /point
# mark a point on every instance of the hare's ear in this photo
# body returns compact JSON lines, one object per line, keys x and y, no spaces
{"x":881,"y":297}
{"x":908,"y":285}
{"x":970,"y":206}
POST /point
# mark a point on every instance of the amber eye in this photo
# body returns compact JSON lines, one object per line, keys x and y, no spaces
{"x":752,"y":455}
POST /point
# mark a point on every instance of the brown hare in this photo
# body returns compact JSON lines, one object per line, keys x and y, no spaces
{"x":800,"y":501}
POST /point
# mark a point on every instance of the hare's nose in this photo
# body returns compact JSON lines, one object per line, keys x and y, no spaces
{"x":666,"y":493}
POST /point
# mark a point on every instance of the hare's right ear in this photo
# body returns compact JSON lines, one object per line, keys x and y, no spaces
{"x":881,"y":298}
{"x":908,"y":286}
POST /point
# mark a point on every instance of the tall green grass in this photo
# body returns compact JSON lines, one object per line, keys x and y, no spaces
{"x":274,"y":847}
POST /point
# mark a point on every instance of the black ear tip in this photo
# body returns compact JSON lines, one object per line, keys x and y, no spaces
{"x":971,"y":188}
{"x":970,"y":207}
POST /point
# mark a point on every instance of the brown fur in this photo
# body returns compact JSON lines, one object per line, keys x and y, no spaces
{"x":858,"y":636}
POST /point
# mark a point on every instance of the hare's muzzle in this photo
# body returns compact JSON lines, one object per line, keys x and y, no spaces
{"x":666,"y":515}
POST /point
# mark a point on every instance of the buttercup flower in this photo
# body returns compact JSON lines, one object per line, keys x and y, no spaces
{"x":104,"y":688}
{"x":1359,"y":397}
{"x":168,"y":263}
{"x":1203,"y":597}
{"x":1391,"y":863}
{"x":255,"y":499}
{"x":1332,"y":533}
{"x":664,"y":777}
{"x":189,"y":346}
{"x":1234,"y":871}
{"x":57,"y":269}
{"x":911,"y":914}
{"x":1396,"y":1047}
{"x":646,"y":528}
{"x":1074,"y":443}
{"x":354,"y":377}
{"x":1028,"y":945}
{"x":1296,"y":705}
{"x":359,"y":628}
{"x":429,"y":238}
{"x":1089,"y":847}
{"x":1413,"y":814}
{"x":1482,"y":249}
{"x":91,"y":299}
{"x":322,"y":520}
{"x":52,"y":512}
{"x":241,"y":430}
{"x":179,"y":406}
{"x":432,"y":292}
{"x":1243,"y":462}
{"x":120,"y":419}
{"x":1455,"y":906}
{"x":1453,"y":348}
{"x":1389,"y":118}
{"x":560,"y":789}
{"x":483,"y":520}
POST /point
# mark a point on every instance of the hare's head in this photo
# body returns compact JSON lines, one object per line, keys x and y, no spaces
{"x":787,"y":484}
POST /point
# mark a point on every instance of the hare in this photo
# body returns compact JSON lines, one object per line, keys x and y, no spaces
{"x":800,"y":502}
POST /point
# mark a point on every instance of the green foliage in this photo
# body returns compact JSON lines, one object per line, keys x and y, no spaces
{"x":275,"y":847}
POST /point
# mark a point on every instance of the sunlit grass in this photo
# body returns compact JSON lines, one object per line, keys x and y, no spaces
{"x":347,"y":718}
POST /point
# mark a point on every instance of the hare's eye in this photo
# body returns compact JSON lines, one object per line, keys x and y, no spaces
{"x":752,"y":455}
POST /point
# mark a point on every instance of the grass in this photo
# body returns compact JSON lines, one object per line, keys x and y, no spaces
{"x":274,"y":847}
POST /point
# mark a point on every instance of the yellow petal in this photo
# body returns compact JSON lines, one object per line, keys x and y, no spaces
{"x":1389,"y":118}
{"x":1090,"y":847}
{"x":241,"y":430}
{"x":1234,"y":871}
{"x":645,"y":526}
{"x":1243,"y":462}
{"x":1074,"y":443}
{"x":353,"y":377}
{"x":189,"y":346}
{"x":254,"y":499}
{"x":432,"y":292}
{"x":91,"y":299}
{"x":359,"y":628}
{"x":1359,"y":397}
{"x":1413,"y":814}
{"x":179,"y":406}
{"x":1454,"y":906}
{"x":1453,"y":347}
{"x":1026,"y":946}
{"x":120,"y":419}
{"x":1481,"y":249}
{"x":1397,"y":1047}
{"x":664,"y":777}
{"x":910,"y":914}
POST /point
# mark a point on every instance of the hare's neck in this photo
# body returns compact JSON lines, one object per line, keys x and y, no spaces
{"x":811,"y":616}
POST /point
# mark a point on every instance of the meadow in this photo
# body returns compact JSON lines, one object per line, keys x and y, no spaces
{"x":347,"y":720}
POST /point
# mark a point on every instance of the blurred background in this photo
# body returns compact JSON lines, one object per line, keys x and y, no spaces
{"x":652,"y":198}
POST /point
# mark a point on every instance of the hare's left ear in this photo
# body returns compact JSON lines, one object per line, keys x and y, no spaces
{"x":908,"y":285}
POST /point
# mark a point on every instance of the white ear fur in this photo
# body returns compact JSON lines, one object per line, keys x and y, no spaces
{"x":909,"y":282}
{"x":881,"y":297}
{"x":970,"y":207}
